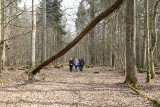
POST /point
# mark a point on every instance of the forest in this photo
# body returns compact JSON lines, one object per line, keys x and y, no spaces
{"x":117,"y":39}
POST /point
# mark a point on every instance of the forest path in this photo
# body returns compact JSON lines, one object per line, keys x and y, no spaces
{"x":61,"y":88}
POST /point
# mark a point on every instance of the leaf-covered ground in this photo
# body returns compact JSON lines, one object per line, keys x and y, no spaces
{"x":61,"y":88}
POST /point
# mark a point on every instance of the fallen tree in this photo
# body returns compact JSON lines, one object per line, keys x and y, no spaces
{"x":153,"y":100}
{"x":90,"y":26}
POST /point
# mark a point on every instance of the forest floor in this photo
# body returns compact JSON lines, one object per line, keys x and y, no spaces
{"x":61,"y":88}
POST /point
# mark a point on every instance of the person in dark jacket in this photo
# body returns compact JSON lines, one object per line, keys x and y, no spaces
{"x":71,"y":63}
{"x":81,"y":64}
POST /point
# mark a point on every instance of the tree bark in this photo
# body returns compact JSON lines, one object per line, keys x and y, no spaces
{"x":144,"y":50}
{"x":1,"y":32}
{"x":44,"y":37}
{"x":131,"y":70}
{"x":92,"y":37}
{"x":33,"y":57}
{"x":104,"y":44}
{"x":153,"y":40}
{"x":90,"y":26}
{"x":146,"y":34}
{"x":7,"y":34}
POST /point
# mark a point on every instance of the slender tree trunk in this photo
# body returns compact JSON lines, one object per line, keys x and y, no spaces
{"x":7,"y":33}
{"x":104,"y":45}
{"x":90,"y":26}
{"x":0,"y":34}
{"x":4,"y":31}
{"x":92,"y":37}
{"x":144,"y":50}
{"x":44,"y":37}
{"x":138,"y":63}
{"x":131,"y":70}
{"x":146,"y":34}
{"x":153,"y":40}
{"x":33,"y":59}
{"x":5,"y":22}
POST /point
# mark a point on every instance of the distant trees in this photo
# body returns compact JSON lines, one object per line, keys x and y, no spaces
{"x":90,"y":26}
{"x":22,"y":48}
{"x":54,"y":16}
{"x":92,"y":33}
{"x":50,"y":30}
{"x":114,"y":36}
{"x":105,"y":45}
{"x":82,"y":48}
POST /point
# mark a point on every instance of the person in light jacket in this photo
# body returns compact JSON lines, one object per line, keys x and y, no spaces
{"x":76,"y":64}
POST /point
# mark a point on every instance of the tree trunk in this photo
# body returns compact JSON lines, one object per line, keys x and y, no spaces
{"x":92,"y":47}
{"x":146,"y":34}
{"x":90,"y":26}
{"x":138,"y":63}
{"x":44,"y":39}
{"x":144,"y":50}
{"x":7,"y":34}
{"x":103,"y":43}
{"x":0,"y":35}
{"x":131,"y":70}
{"x":33,"y":59}
{"x":1,"y":32}
{"x":153,"y":40}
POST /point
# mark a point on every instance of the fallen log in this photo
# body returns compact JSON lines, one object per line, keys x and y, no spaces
{"x":153,"y":100}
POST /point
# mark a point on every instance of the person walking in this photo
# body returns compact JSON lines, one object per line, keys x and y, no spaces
{"x":71,"y":63}
{"x":81,"y":64}
{"x":76,"y":64}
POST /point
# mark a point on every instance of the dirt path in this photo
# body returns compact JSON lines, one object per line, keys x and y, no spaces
{"x":61,"y":88}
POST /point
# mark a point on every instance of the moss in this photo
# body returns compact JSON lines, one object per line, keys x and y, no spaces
{"x":136,"y":86}
{"x":148,"y":80}
{"x":155,"y":101}
{"x":30,"y":76}
{"x":127,"y":82}
{"x":131,"y":81}
{"x":153,"y":75}
{"x":134,"y":89}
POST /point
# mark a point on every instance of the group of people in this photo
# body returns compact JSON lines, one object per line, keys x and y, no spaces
{"x":78,"y":63}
